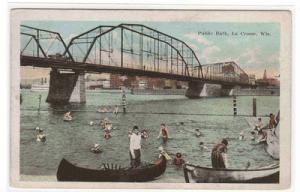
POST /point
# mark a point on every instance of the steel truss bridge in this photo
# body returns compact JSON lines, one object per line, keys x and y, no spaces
{"x":126,"y":49}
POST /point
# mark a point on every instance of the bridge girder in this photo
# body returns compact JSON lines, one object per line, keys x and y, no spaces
{"x":91,"y":36}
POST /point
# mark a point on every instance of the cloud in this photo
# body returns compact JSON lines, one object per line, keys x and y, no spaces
{"x":200,"y":39}
{"x":273,"y":59}
{"x":250,"y":56}
{"x":205,"y":55}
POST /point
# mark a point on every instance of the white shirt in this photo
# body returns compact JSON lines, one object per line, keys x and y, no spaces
{"x":135,"y":141}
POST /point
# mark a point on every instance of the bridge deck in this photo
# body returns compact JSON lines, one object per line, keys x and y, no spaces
{"x":96,"y":68}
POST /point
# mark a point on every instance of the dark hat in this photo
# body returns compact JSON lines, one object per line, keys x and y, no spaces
{"x":135,"y":127}
{"x":201,"y":143}
{"x":224,"y":141}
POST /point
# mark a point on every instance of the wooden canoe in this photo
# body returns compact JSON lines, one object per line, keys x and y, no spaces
{"x":69,"y":172}
{"x":197,"y":174}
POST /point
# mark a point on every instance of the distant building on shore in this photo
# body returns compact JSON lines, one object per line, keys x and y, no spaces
{"x":265,"y":81}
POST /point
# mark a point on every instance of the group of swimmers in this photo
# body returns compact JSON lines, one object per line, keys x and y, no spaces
{"x":260,"y":129}
{"x":218,"y":157}
{"x":115,"y":110}
{"x":258,"y":133}
{"x":40,"y":135}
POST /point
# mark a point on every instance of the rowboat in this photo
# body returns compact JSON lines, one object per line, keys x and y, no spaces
{"x":197,"y":174}
{"x":70,"y":172}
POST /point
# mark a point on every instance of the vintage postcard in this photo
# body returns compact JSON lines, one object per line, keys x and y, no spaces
{"x":181,"y":98}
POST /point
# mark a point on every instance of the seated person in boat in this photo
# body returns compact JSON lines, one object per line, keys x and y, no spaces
{"x":178,"y":160}
{"x":202,"y":146}
{"x":217,"y":159}
{"x":135,"y":147}
{"x":107,"y":134}
{"x":163,"y":132}
{"x":41,"y":137}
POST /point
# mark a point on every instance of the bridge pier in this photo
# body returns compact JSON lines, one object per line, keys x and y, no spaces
{"x":211,"y":90}
{"x":200,"y":89}
{"x":66,"y":87}
{"x":227,"y":90}
{"x":194,"y":89}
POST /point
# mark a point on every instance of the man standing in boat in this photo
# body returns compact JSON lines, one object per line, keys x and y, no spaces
{"x":272,"y":121}
{"x":217,"y":159}
{"x":135,"y":147}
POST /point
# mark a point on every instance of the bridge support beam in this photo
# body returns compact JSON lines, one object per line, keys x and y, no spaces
{"x":66,"y":87}
{"x":194,"y":89}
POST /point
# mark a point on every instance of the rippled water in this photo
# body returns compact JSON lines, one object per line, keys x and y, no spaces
{"x":72,"y":140}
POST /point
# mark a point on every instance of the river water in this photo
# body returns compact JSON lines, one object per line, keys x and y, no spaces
{"x":72,"y":140}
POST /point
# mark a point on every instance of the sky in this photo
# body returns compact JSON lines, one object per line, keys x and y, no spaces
{"x":253,"y":53}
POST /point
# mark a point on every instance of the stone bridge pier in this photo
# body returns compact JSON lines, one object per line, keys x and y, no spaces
{"x":194,"y":90}
{"x":201,"y":89}
{"x":227,"y":90}
{"x":66,"y":87}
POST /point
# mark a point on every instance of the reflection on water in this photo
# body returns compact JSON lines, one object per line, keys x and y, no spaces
{"x":72,"y":140}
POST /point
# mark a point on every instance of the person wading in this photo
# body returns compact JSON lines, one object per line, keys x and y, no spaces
{"x":178,"y":160}
{"x":217,"y":160}
{"x":164,"y":133}
{"x":135,"y":147}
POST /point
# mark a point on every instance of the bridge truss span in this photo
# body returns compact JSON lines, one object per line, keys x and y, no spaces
{"x":41,"y":43}
{"x":135,"y":46}
{"x":126,"y":49}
